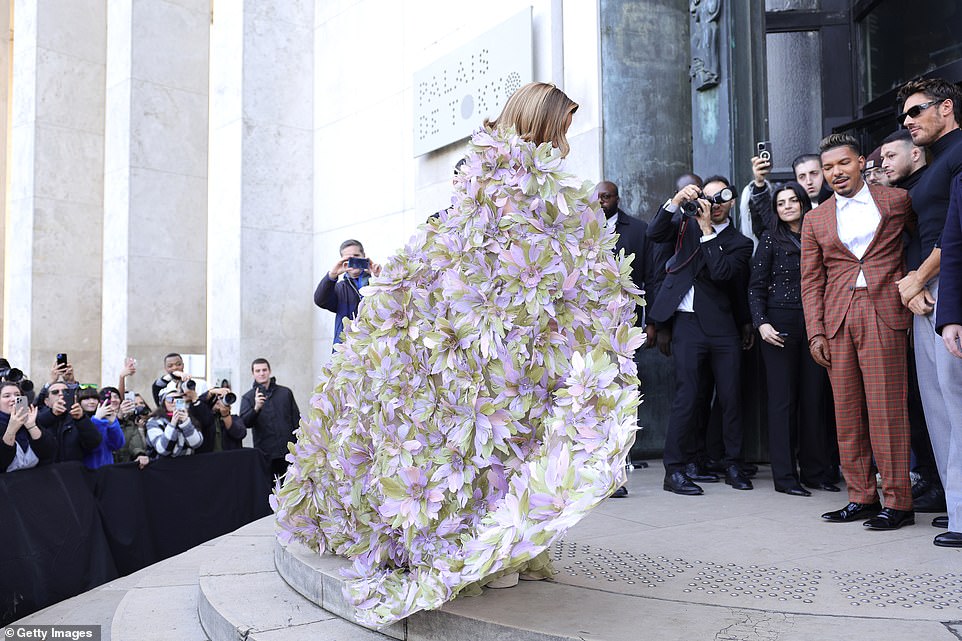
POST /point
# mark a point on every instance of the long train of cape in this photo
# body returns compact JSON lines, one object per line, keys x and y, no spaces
{"x":485,"y":397}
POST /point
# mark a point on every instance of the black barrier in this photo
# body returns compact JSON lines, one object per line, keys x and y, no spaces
{"x":65,"y":529}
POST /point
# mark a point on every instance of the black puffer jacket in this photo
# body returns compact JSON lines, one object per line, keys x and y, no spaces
{"x":74,"y":437}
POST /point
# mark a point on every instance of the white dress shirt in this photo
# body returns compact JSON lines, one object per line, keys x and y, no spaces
{"x":858,"y":217}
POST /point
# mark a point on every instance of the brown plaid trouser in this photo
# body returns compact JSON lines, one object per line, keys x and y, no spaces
{"x":869,"y":381}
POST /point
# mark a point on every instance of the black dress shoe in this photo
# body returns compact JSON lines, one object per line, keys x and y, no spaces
{"x":620,"y":493}
{"x":889,"y":519}
{"x":824,"y":486}
{"x":678,"y":483}
{"x":737,"y":479}
{"x":920,"y":487}
{"x":795,"y":490}
{"x":749,"y":469}
{"x":695,"y":473}
{"x":852,"y":512}
{"x":949,"y":540}
{"x":932,"y":500}
{"x":941,"y":522}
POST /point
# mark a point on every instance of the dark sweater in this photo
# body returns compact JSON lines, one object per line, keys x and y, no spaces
{"x":930,"y":195}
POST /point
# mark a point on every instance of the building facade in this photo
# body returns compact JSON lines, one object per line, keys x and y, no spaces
{"x":180,"y":173}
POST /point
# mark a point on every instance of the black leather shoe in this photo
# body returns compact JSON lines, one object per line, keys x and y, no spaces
{"x":889,"y":519}
{"x":920,"y":487}
{"x":737,"y":479}
{"x":941,"y":522}
{"x":749,"y":469}
{"x":949,"y":540}
{"x":620,"y":493}
{"x":695,"y":473}
{"x":824,"y":486}
{"x":795,"y":490}
{"x":678,"y":483}
{"x":853,"y":512}
{"x":932,"y":500}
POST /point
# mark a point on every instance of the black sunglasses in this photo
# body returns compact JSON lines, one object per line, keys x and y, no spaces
{"x":913,"y":112}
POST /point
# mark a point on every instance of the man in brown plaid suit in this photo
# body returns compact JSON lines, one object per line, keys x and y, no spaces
{"x":852,"y":258}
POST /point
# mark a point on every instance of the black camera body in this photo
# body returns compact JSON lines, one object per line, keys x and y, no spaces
{"x":690,"y":208}
{"x":141,"y":410}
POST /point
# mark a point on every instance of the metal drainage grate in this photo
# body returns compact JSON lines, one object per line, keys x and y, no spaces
{"x":900,"y":589}
{"x":755,"y":584}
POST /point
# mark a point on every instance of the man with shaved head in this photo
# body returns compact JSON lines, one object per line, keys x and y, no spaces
{"x":633,"y":239}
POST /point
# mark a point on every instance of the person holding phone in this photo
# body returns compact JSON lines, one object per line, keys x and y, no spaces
{"x":797,"y":385}
{"x":132,"y":414}
{"x":23,"y":444}
{"x":101,"y":409}
{"x":63,"y":417}
{"x":169,"y":429}
{"x":341,"y":296}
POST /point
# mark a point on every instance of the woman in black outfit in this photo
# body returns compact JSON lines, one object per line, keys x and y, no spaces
{"x":796,"y":383}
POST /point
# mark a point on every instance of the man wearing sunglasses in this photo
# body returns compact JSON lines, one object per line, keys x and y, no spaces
{"x":63,"y":418}
{"x":930,"y":112}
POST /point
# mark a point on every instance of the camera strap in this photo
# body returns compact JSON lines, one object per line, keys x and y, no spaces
{"x":671,"y":266}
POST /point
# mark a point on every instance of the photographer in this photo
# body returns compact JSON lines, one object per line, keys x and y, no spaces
{"x":704,"y":299}
{"x":62,"y":416}
{"x":222,"y":430}
{"x":23,"y":443}
{"x":169,"y":429}
{"x":173,"y":371}
{"x":271,"y":412}
{"x":343,"y":295}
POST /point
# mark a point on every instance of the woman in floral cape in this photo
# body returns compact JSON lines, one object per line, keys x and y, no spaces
{"x":485,"y":397}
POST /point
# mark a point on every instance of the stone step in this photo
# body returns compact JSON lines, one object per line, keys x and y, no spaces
{"x":241,"y":597}
{"x":158,"y":614}
{"x":317,"y":579}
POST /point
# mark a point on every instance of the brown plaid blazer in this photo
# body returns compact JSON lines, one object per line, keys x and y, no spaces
{"x":829,"y":270}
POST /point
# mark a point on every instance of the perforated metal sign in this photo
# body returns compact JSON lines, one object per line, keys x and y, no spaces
{"x":454,"y":94}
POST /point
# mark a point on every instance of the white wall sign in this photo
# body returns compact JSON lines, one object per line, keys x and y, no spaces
{"x":454,"y":94}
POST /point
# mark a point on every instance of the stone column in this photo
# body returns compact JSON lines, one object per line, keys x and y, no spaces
{"x":260,"y":267}
{"x":647,"y":144}
{"x":155,"y":202}
{"x":52,"y":249}
{"x":5,"y":24}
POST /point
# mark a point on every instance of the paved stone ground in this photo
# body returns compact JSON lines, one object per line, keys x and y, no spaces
{"x":729,"y":565}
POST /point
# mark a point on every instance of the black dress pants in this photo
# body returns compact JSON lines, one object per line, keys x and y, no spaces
{"x":695,"y":354}
{"x":797,"y":407}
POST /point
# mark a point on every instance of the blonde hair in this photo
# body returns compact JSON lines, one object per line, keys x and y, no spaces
{"x":537,"y":112}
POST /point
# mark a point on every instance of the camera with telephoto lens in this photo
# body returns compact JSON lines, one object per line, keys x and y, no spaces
{"x":13,"y":375}
{"x":227,"y":399}
{"x":183,"y":385}
{"x":690,"y":208}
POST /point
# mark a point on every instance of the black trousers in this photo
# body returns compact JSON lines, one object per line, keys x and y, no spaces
{"x":695,"y":354}
{"x":797,"y":405}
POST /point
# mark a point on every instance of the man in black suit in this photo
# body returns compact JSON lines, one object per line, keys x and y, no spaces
{"x":704,"y":298}
{"x":633,"y":239}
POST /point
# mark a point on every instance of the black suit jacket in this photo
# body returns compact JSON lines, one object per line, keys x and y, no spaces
{"x":645,"y":270}
{"x":718,"y":269}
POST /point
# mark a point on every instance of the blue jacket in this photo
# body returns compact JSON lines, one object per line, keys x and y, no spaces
{"x":113,"y":439}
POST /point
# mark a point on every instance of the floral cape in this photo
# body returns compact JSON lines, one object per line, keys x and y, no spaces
{"x":483,"y":400}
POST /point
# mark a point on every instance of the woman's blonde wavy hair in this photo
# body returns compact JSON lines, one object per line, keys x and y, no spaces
{"x":537,"y":112}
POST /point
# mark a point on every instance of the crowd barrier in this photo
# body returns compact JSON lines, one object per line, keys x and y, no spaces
{"x":65,"y":529}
